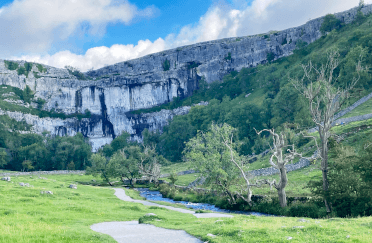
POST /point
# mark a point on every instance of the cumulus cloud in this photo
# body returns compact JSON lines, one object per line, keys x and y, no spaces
{"x":220,"y":21}
{"x":31,"y":26}
{"x":98,"y":57}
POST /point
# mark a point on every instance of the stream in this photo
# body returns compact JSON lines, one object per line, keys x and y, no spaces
{"x":156,"y":196}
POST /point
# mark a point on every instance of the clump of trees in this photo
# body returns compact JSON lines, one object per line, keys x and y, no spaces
{"x":27,"y":152}
{"x":127,"y":161}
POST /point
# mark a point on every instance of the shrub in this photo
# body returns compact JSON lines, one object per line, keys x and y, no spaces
{"x":11,"y":65}
{"x":228,"y":56}
{"x":330,"y":23}
{"x":21,"y":70}
{"x":270,"y":56}
{"x":41,"y":68}
{"x":192,"y":65}
{"x":166,"y":65}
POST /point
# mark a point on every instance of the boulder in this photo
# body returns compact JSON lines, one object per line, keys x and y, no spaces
{"x":73,"y":186}
{"x":5,"y":178}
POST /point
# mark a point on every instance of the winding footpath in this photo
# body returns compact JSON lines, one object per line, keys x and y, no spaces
{"x":133,"y":232}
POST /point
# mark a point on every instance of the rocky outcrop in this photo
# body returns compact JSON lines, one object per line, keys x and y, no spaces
{"x":110,"y":93}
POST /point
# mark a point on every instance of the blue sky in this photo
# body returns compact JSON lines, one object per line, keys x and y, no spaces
{"x":93,"y":33}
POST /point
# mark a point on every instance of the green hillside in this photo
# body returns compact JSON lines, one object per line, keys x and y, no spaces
{"x":273,"y":101}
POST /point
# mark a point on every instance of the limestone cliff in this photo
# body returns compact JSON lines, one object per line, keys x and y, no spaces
{"x":110,"y":93}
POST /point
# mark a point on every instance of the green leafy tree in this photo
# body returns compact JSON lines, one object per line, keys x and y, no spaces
{"x":213,"y":153}
{"x":173,"y":177}
{"x":126,"y":162}
{"x":103,"y":167}
{"x":4,"y":158}
{"x":174,"y":137}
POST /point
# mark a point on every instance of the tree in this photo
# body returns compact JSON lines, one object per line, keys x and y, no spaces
{"x":149,"y":165}
{"x":214,"y":154}
{"x":101,"y":166}
{"x":278,"y":160}
{"x":173,"y":177}
{"x":4,"y":158}
{"x":127,"y":162}
{"x":318,"y":85}
{"x":330,"y":23}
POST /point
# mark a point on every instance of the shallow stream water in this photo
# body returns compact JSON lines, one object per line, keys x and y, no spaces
{"x":156,"y":196}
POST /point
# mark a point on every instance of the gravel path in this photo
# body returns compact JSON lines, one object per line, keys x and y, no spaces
{"x":120,"y":193}
{"x":131,"y":231}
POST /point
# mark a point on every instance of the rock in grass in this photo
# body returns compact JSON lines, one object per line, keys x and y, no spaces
{"x":150,"y":214}
{"x":73,"y":186}
{"x":22,"y":184}
{"x":211,"y":235}
{"x":46,"y":192}
{"x":298,"y":227}
{"x":303,"y":221}
{"x":5,"y":178}
{"x":289,"y":238}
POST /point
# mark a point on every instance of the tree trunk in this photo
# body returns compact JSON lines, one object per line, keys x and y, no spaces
{"x":324,"y":154}
{"x":282,"y":184}
{"x":108,"y":181}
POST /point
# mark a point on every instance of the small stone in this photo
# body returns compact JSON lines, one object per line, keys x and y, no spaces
{"x":21,"y":184}
{"x":298,"y":227}
{"x":5,"y":178}
{"x":303,"y":220}
{"x":72,"y":186}
{"x":348,"y":236}
{"x":49,"y":192}
{"x":150,"y":214}
{"x":26,"y":184}
{"x":212,"y":235}
{"x":289,"y":238}
{"x":218,"y":221}
{"x":94,"y":181}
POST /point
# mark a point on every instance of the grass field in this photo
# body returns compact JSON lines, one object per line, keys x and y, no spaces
{"x":28,"y":216}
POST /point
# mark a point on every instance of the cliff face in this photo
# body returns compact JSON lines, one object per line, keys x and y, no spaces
{"x":111,"y":92}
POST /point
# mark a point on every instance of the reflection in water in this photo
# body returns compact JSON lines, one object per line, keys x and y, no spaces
{"x":156,"y":196}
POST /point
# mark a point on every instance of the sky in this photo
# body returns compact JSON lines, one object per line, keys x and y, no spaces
{"x":90,"y":34}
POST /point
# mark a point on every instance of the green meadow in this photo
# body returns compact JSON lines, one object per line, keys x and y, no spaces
{"x":26,"y":215}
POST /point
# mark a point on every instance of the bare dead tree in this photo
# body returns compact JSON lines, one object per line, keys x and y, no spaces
{"x":278,"y":160}
{"x":325,"y":99}
{"x":149,"y":165}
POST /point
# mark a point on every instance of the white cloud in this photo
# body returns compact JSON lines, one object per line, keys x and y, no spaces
{"x":220,"y":21}
{"x":30,"y":26}
{"x":98,"y":56}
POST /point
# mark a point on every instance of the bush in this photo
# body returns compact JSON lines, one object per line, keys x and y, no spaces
{"x":11,"y":65}
{"x":330,"y":23}
{"x":310,"y":210}
{"x":148,"y":218}
{"x":21,"y":70}
{"x":270,"y":56}
{"x":41,"y":68}
{"x":166,"y":65}
{"x":228,"y":56}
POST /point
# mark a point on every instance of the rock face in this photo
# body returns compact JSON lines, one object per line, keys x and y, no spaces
{"x":110,"y":93}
